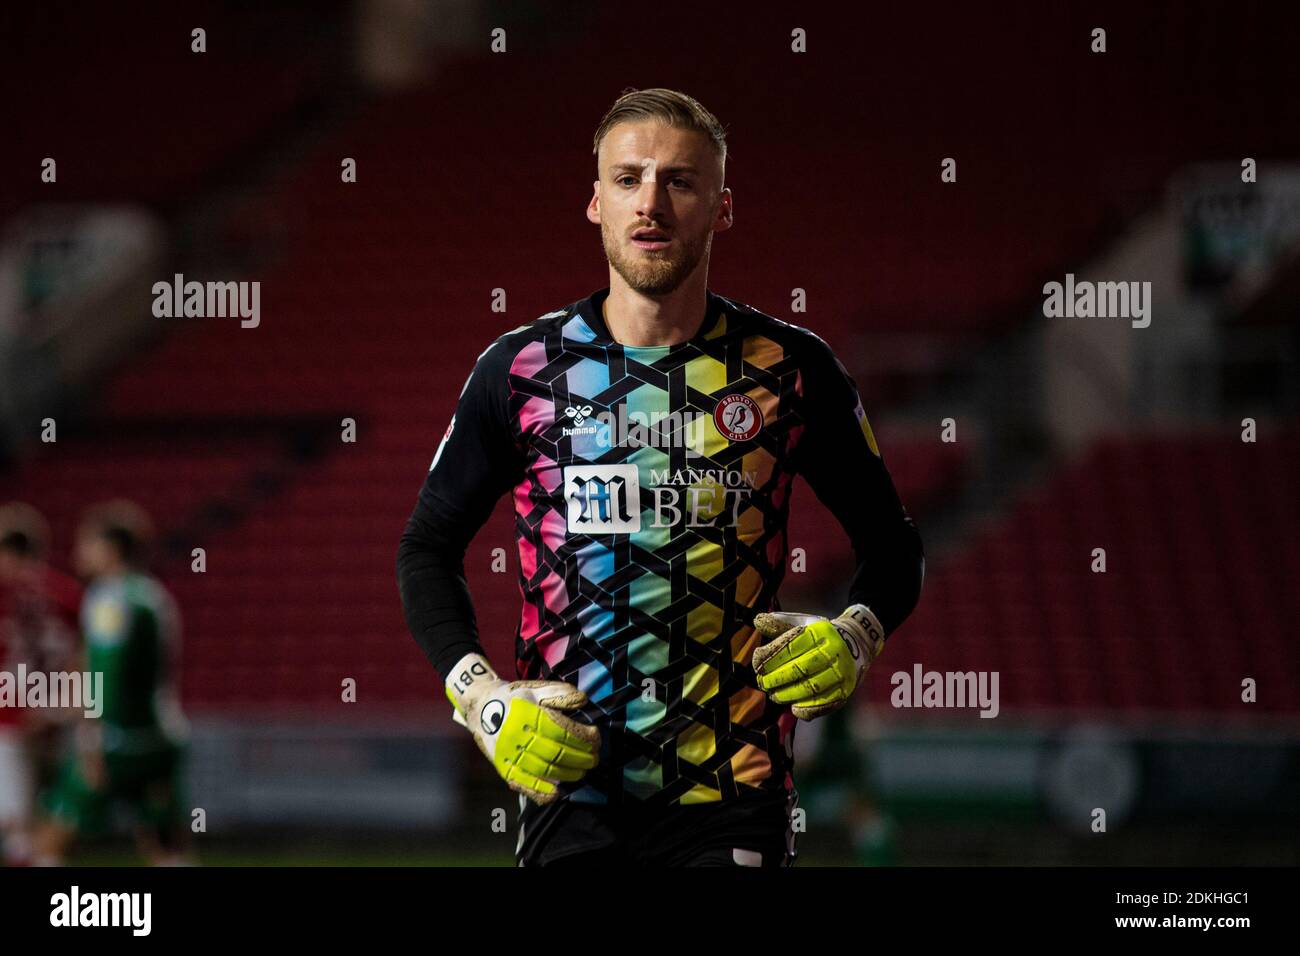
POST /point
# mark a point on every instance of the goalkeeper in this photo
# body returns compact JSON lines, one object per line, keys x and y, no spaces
{"x":651,"y":715}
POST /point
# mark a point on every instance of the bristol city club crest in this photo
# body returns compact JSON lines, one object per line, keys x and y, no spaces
{"x":738,"y":417}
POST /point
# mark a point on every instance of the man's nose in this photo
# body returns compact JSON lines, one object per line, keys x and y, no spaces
{"x":652,"y":201}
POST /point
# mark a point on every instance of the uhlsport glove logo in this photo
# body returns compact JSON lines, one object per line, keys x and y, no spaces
{"x":492,"y":716}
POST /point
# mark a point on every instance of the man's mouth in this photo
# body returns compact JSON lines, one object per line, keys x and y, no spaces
{"x":650,"y":239}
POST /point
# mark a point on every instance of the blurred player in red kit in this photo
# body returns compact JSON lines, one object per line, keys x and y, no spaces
{"x":39,"y":607}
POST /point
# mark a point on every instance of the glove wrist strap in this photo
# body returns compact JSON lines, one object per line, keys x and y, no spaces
{"x":865,"y":628}
{"x":471,"y":676}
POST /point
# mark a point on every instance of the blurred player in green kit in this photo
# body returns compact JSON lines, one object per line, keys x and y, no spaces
{"x":132,"y":753}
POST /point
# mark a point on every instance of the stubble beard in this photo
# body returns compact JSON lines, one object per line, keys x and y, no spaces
{"x":655,"y":273}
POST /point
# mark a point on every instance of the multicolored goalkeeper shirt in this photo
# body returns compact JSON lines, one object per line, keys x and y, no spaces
{"x":651,"y":487}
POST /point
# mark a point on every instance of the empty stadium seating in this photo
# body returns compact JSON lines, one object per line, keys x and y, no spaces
{"x":379,"y":305}
{"x":1200,"y":536}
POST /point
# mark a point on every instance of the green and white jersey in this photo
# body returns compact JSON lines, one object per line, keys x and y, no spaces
{"x":132,"y":634}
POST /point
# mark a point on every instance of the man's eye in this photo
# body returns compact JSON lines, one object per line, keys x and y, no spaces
{"x":622,"y":179}
{"x":682,"y":182}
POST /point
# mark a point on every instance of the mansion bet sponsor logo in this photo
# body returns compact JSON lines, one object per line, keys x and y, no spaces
{"x":606,"y":499}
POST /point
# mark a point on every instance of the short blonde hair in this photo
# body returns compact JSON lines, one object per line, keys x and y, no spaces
{"x":669,"y":107}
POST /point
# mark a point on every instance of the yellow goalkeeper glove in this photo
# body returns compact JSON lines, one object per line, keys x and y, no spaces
{"x":520,"y":728}
{"x":813,"y":664}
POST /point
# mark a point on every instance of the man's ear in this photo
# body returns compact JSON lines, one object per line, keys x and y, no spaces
{"x":726,"y":211}
{"x":593,"y":207}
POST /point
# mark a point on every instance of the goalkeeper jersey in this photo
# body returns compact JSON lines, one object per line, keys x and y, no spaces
{"x":651,"y":488}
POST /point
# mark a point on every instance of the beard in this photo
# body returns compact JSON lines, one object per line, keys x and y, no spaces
{"x":655,"y":273}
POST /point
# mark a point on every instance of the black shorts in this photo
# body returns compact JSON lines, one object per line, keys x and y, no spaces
{"x":754,"y":829}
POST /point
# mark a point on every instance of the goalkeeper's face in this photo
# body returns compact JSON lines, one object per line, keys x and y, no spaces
{"x":666,"y":183}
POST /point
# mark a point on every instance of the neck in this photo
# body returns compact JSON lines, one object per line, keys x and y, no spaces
{"x":643,"y":321}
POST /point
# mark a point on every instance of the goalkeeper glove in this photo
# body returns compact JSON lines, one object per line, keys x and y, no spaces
{"x":520,"y":728}
{"x":814,"y":664}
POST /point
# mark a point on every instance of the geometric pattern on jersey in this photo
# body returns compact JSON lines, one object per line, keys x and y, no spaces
{"x":655,"y":624}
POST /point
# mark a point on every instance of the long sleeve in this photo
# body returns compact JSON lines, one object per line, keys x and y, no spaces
{"x":842,"y":464}
{"x":476,"y":462}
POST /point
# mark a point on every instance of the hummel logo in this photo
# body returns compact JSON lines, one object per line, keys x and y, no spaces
{"x":578,"y":413}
